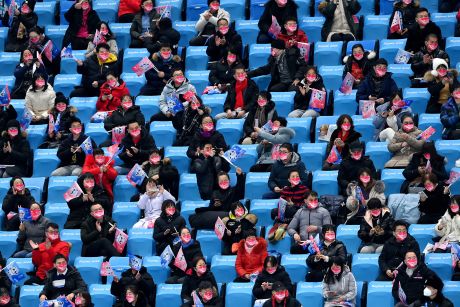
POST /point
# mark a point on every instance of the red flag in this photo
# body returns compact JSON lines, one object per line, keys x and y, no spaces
{"x":396,"y":23}
{"x":180,"y":261}
{"x":120,"y":241}
{"x":318,"y":99}
{"x":48,"y":50}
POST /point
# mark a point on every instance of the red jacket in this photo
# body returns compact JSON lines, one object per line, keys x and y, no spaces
{"x":117,"y":93}
{"x":129,"y":7}
{"x":291,"y":40}
{"x":42,"y":258}
{"x":253,"y":262}
{"x":107,"y":178}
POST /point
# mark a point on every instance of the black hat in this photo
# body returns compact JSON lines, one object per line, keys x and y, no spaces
{"x":278,"y":286}
{"x":12,"y":124}
{"x":381,"y":61}
{"x":209,"y":1}
{"x":435,"y":282}
{"x":278,"y":44}
{"x":356,"y":146}
{"x":60,"y":98}
{"x":374,"y":203}
{"x":249,"y":233}
{"x":30,"y":4}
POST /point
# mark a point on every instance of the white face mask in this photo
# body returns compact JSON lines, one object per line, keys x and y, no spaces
{"x":427,"y":292}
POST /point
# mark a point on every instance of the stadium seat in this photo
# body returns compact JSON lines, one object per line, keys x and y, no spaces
{"x":210,"y":243}
{"x":126,"y":214}
{"x":433,"y":120}
{"x":313,"y":155}
{"x":45,"y":13}
{"x":401,"y":74}
{"x":365,"y":266}
{"x":189,"y":206}
{"x":8,"y":62}
{"x":451,"y":290}
{"x":235,"y":8}
{"x":153,"y":266}
{"x":393,"y":179}
{"x":369,"y":45}
{"x":29,"y":295}
{"x":328,"y":120}
{"x":36,"y":135}
{"x":310,"y":293}
{"x":178,"y":156}
{"x":365,"y":127}
{"x":328,"y":53}
{"x":301,"y":127}
{"x":118,"y":265}
{"x":215,"y":102}
{"x":248,"y":29}
{"x":348,"y":234}
{"x":34,"y":184}
{"x":256,"y":9}
{"x":199,"y":79}
{"x":7,"y":80}
{"x":419,"y":97}
{"x":262,"y":209}
{"x":262,"y":82}
{"x":68,"y":65}
{"x":2,"y":220}
{"x":239,"y":294}
{"x":194,"y":8}
{"x":345,"y":103}
{"x":325,"y":182}
{"x":196,"y":58}
{"x":18,"y":104}
{"x":284,"y":102}
{"x":376,"y":27}
{"x":258,"y":55}
{"x":379,"y":292}
{"x":332,"y":77}
{"x":72,"y":236}
{"x":57,"y":212}
{"x":24,"y":264}
{"x":100,"y":295}
{"x":122,"y":33}
{"x":96,"y":132}
{"x":140,"y":241}
{"x":431,"y":5}
{"x":176,"y":8}
{"x":89,"y":268}
{"x":133,"y":82}
{"x":446,"y":21}
{"x":295,"y":266}
{"x":45,"y":161}
{"x":378,"y":153}
{"x":168,"y":295}
{"x":449,"y":149}
{"x":249,"y":158}
{"x":256,"y":185}
{"x":64,"y":7}
{"x":422,"y":233}
{"x":187,"y":31}
{"x":123,"y":189}
{"x":389,"y":48}
{"x":188,"y":186}
{"x":231,"y":129}
{"x":453,"y":49}
{"x":3,"y":37}
{"x":66,"y":83}
{"x":56,"y":33}
{"x":86,"y":107}
{"x":57,"y":186}
{"x":149,"y":105}
{"x":163,"y":133}
{"x":440,"y":263}
{"x":223,"y":268}
{"x":106,"y":9}
{"x":282,"y":246}
{"x":131,"y":57}
{"x":312,"y":27}
{"x":455,"y":187}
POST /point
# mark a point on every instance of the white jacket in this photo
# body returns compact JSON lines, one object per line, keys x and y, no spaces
{"x":201,"y":23}
{"x":40,"y":102}
{"x":451,"y":230}
{"x":152,"y":205}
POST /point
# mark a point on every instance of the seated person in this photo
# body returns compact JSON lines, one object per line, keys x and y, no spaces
{"x":17,"y":196}
{"x":280,"y":297}
{"x":291,"y":34}
{"x":22,"y":21}
{"x":44,"y":253}
{"x":165,"y":33}
{"x":15,"y":152}
{"x":98,"y":234}
{"x":36,"y":43}
{"x":107,"y":36}
{"x":206,"y":24}
{"x":62,"y":280}
{"x":434,"y":199}
{"x":432,"y":293}
{"x":82,"y":299}
{"x":6,"y":299}
{"x":252,"y":251}
{"x":167,"y":226}
{"x":341,"y":138}
{"x":33,"y":230}
{"x":224,"y":39}
{"x":395,"y":249}
{"x":208,"y":295}
{"x":111,"y":93}
{"x":133,"y":296}
{"x":200,"y":273}
{"x":273,"y":272}
{"x":5,"y":282}
{"x":280,"y":10}
{"x":221,"y":74}
{"x":408,"y":10}
{"x":83,"y":22}
{"x":7,"y":113}
{"x":144,"y":25}
{"x":340,"y":24}
{"x":420,"y":29}
{"x":358,"y":64}
{"x":339,"y":285}
{"x":446,"y":228}
{"x":422,"y":61}
{"x":39,"y":99}
{"x":241,"y":95}
{"x":284,"y":66}
{"x":450,"y":118}
{"x":24,"y":73}
{"x":103,"y":172}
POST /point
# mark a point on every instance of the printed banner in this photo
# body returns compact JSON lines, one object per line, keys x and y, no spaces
{"x":166,"y":256}
{"x":396,"y":23}
{"x":24,"y":214}
{"x":367,"y":108}
{"x":143,"y":66}
{"x":73,"y":192}
{"x":304,"y":49}
{"x":275,"y":28}
{"x":334,"y":156}
{"x":347,"y":84}
{"x":136,"y":175}
{"x":135,"y":262}
{"x":87,"y":146}
{"x":118,"y":133}
{"x":234,"y":153}
{"x":180,"y":261}
{"x":402,"y":57}
{"x":5,"y":98}
{"x":219,"y":228}
{"x":318,"y":99}
{"x":120,"y":241}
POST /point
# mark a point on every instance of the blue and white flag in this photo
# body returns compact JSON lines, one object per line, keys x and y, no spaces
{"x":268,"y":127}
{"x":234,"y":153}
{"x":67,"y":52}
{"x":166,"y":256}
{"x":5,"y":96}
{"x":136,"y":175}
{"x":315,"y":245}
{"x":402,"y":57}
{"x":13,"y":272}
{"x":24,"y":214}
{"x":174,"y":104}
{"x":282,"y":204}
{"x":25,"y":120}
{"x":87,"y":146}
{"x":196,"y":300}
{"x":135,"y":262}
{"x":57,"y":123}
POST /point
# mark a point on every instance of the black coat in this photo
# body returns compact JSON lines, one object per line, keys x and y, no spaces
{"x":280,"y":13}
{"x":302,"y":102}
{"x":328,"y":7}
{"x":145,"y":146}
{"x":233,"y":42}
{"x":74,"y":17}
{"x":28,"y":21}
{"x":89,"y":233}
{"x":229,"y":196}
{"x":23,"y":74}
{"x":280,"y":172}
{"x":336,"y":250}
{"x":269,"y":112}
{"x":73,"y":284}
{"x":349,"y":171}
{"x":408,"y":17}
{"x":416,"y":36}
{"x":173,"y":223}
{"x":352,"y":137}
{"x":217,"y":140}
{"x":169,"y":178}
{"x":231,"y":223}
{"x":187,"y":123}
{"x":436,"y":204}
{"x":385,"y":221}
{"x":92,"y":71}
{"x":419,"y":67}
{"x":289,"y":302}
{"x":437,"y":167}
{"x":145,"y":284}
{"x":11,"y":203}
{"x":249,"y":96}
{"x":369,"y":87}
{"x":155,"y":83}
{"x":412,"y":286}
{"x":365,"y":64}
{"x":20,"y":154}
{"x":222,"y":73}
{"x":190,"y":253}
{"x":169,"y":35}
{"x":141,"y":302}
{"x":191,"y":283}
{"x":67,"y":116}
{"x":279,"y":275}
{"x":65,"y":154}
{"x":393,"y":252}
{"x":136,"y":26}
{"x":120,"y":117}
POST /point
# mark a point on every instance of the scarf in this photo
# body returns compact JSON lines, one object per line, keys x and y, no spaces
{"x":206,"y":134}
{"x":260,"y":116}
{"x":239,"y":88}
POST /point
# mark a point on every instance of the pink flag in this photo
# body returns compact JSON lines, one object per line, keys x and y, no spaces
{"x":39,"y":58}
{"x":347,"y":84}
{"x":48,"y":50}
{"x":275,"y":28}
{"x":304,"y":49}
{"x":425,"y":135}
{"x":367,"y":108}
{"x":453,"y":177}
{"x":120,"y":241}
{"x":106,"y":269}
{"x":118,"y":133}
{"x":144,"y":65}
{"x":314,"y":245}
{"x":180,"y":261}
{"x":73,"y":192}
{"x":50,"y":123}
{"x":396,"y":23}
{"x":318,"y":99}
{"x":219,"y":228}
{"x":275,"y":151}
{"x":98,"y":38}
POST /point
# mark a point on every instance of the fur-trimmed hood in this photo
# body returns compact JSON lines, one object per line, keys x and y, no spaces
{"x":431,"y":75}
{"x":369,"y":55}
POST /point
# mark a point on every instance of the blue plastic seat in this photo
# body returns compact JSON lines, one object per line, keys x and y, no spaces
{"x":194,"y":8}
{"x":126,"y":214}
{"x":89,"y":268}
{"x":332,"y":76}
{"x":451,"y":290}
{"x":256,"y":8}
{"x":199,"y":79}
{"x":301,"y":127}
{"x":45,"y":13}
{"x":163,"y":133}
{"x":45,"y":161}
{"x":449,"y":149}
{"x":123,"y":190}
{"x":376,"y":27}
{"x":86,"y":107}
{"x":118,"y":265}
{"x":389,"y":48}
{"x":133,"y":82}
{"x":122,"y":32}
{"x":345,"y":103}
{"x":256,"y":185}
{"x":72,"y":236}
{"x":29,"y":295}
{"x":64,"y":7}
{"x":446,"y":21}
{"x":248,"y":29}
{"x":315,"y":4}
{"x":223,"y":268}
{"x":328,"y":53}
{"x":215,"y":102}
{"x":149,"y":105}
{"x":423,"y":233}
{"x":453,"y":49}
{"x":7,"y":80}
{"x":313,"y":155}
{"x":324,"y":120}
{"x":8,"y":62}
{"x":176,"y":8}
{"x":210,"y":243}
{"x":96,"y":132}
{"x":187,"y":31}
{"x":249,"y":158}
{"x":106,"y":9}
{"x":35,"y":186}
{"x":188,"y":187}
{"x":440,"y":263}
{"x":178,"y":156}
{"x":365,"y":127}
{"x":196,"y":59}
{"x":66,"y":83}
{"x":369,"y":45}
{"x":153,"y":266}
{"x":235,"y":8}
{"x":431,"y":5}
{"x":419,"y":96}
{"x":56,"y":33}
{"x":131,"y":57}
{"x":325,"y":182}
{"x":312,"y":26}
{"x":367,"y":8}
{"x":24,"y":264}
{"x":378,"y":153}
{"x":379,"y":292}
{"x":348,"y":234}
{"x":393,"y":179}
{"x":365,"y":266}
{"x":100,"y":295}
{"x":433,"y":120}
{"x":262,"y":81}
{"x":282,"y":246}
{"x":401,"y":74}
{"x":57,"y":186}
{"x":189,"y":206}
{"x":3,"y":37}
{"x":231,"y":129}
{"x":18,"y":104}
{"x":140,"y":241}
{"x":310,"y":293}
{"x":295,"y":266}
{"x":455,"y":187}
{"x":239,"y":294}
{"x":68,"y":65}
{"x":168,"y":295}
{"x":258,"y":55}
{"x":36,"y":135}
{"x":284,"y":102}
{"x":57,"y":212}
{"x":262,"y":209}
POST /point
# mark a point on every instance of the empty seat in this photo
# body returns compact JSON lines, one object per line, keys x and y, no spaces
{"x":45,"y":13}
{"x":389,"y":48}
{"x":369,"y":45}
{"x":118,"y":265}
{"x":100,"y":295}
{"x":262,"y":209}
{"x":57,"y":212}
{"x":433,"y":120}
{"x":258,"y":55}
{"x":376,"y":27}
{"x":325,"y":182}
{"x":66,"y":83}
{"x":189,"y":206}
{"x":328,"y":53}
{"x":324,"y":120}
{"x":215,"y":102}
{"x":153,"y":266}
{"x":168,"y":295}
{"x":296,"y":266}
{"x":312,"y":26}
{"x":379,"y":292}
{"x":235,"y":8}
{"x":3,"y":37}
{"x":133,"y":82}
{"x":7,"y":80}
{"x":178,"y":156}
{"x":248,"y":29}
{"x":249,"y":158}
{"x":176,"y":8}
{"x":401,"y":74}
{"x":163,"y":133}
{"x":194,"y":8}
{"x":348,"y":234}
{"x":126,"y":214}
{"x":45,"y":161}
{"x":188,"y":188}
{"x":262,"y":82}
{"x":313,"y":155}
{"x":56,"y":33}
{"x":239,"y":294}
{"x":282,"y":246}
{"x":29,"y":295}
{"x":223,"y":268}
{"x":453,"y":49}
{"x":89,"y":268}
{"x":284,"y":102}
{"x":106,"y":9}
{"x":393,"y":179}
{"x":446,"y":21}
{"x":310,"y":293}
{"x":210,"y":243}
{"x":256,"y":8}
{"x":68,"y":65}
{"x":86,"y":107}
{"x":365,"y":266}
{"x":345,"y":103}
{"x":196,"y":58}
{"x":422,"y":233}
{"x":419,"y":97}
{"x":365,"y":127}
{"x":451,"y":290}
{"x":231,"y":129}
{"x":18,"y":104}
{"x":441,"y":264}
{"x":149,"y":105}
{"x":57,"y":186}
{"x":332,"y":77}
{"x":72,"y":236}
{"x":24,"y":264}
{"x":122,"y":32}
{"x":96,"y":131}
{"x":8,"y":62}
{"x":256,"y":185}
{"x":36,"y":135}
{"x":187,"y":31}
{"x":123,"y":189}
{"x":301,"y":127}
{"x":431,"y":5}
{"x":449,"y":149}
{"x":378,"y":153}
{"x":199,"y":79}
{"x":140,"y":241}
{"x":455,"y":187}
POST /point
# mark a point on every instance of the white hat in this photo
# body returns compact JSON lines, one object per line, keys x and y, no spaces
{"x":436,"y":63}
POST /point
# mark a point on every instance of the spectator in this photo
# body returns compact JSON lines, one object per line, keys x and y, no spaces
{"x":422,"y":61}
{"x":98,"y":234}
{"x":62,"y":280}
{"x":101,"y":167}
{"x":434,"y":200}
{"x":83,"y":299}
{"x":24,"y":74}
{"x":107,"y":36}
{"x":15,"y":151}
{"x":36,"y":43}
{"x":450,"y":118}
{"x":408,"y":10}
{"x":7,"y":113}
{"x":241,"y":95}
{"x":80,"y":206}
{"x":274,"y":11}
{"x":17,"y":196}
{"x":166,"y":34}
{"x":404,"y":143}
{"x":332,"y":251}
{"x":308,"y":221}
{"x":304,"y":89}
{"x":252,"y":251}
{"x":341,"y":138}
{"x":280,"y":297}
{"x":111,"y":93}
{"x":43,"y":254}
{"x":200,"y":274}
{"x":395,"y":249}
{"x":167,"y":226}
{"x":358,"y":64}
{"x":339,"y":285}
{"x":432,"y":293}
{"x":187,"y":122}
{"x":378,"y":85}
{"x":376,"y":227}
{"x":191,"y":249}
{"x":441,"y":83}
{"x":208,"y":295}
{"x":127,"y":10}
{"x":221,"y":74}
{"x":447,"y":6}
{"x":388,"y":118}
{"x":340,"y":25}
{"x":207,"y":23}
{"x":39,"y":99}
{"x":33,"y":230}
{"x":5,"y":282}
{"x":70,"y":153}
{"x":417,"y":32}
{"x":448,"y":226}
{"x":83,"y":22}
{"x":291,"y":34}
{"x":349,"y":167}
{"x":134,"y":297}
{"x":144,"y":26}
{"x":261,"y":114}
{"x":285,"y":66}
{"x":165,"y":62}
{"x":23,"y":20}
{"x":6,"y":299}
{"x":272,"y":272}
{"x":224,"y":39}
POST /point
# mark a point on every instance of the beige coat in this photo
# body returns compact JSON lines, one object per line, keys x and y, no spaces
{"x":450,"y":231}
{"x":402,"y":155}
{"x":40,"y":102}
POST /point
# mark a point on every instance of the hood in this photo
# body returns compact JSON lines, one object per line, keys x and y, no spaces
{"x":430,"y":76}
{"x":369,"y":55}
{"x":294,"y":160}
{"x":379,"y":186}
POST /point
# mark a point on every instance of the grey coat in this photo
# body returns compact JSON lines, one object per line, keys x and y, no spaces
{"x":305,"y":217}
{"x":35,"y":231}
{"x":284,"y":135}
{"x":345,"y":287}
{"x":169,"y":90}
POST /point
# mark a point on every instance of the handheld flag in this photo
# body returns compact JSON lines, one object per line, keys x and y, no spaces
{"x":67,"y":52}
{"x":164,"y":11}
{"x":401,"y":294}
{"x":118,"y":133}
{"x":268,"y":127}
{"x":87,"y":146}
{"x":143,"y":66}
{"x":180,"y":261}
{"x":359,"y":194}
{"x":136,"y":175}
{"x":48,"y":50}
{"x":196,"y":300}
{"x":11,"y":9}
{"x":219,"y":228}
{"x":275,"y":28}
{"x":106,"y":269}
{"x":455,"y":251}
{"x":135,"y":262}
{"x":367,"y":108}
{"x":315,"y":245}
{"x":98,"y":38}
{"x":347,"y":84}
{"x":282,"y":204}
{"x":5,"y":96}
{"x":275,"y":151}
{"x":13,"y":272}
{"x":50,"y":123}
{"x":174,"y":104}
{"x":73,"y":192}
{"x":234,"y":153}
{"x":25,"y":120}
{"x":24,"y":214}
{"x":57,"y":123}
{"x":453,"y":177}
{"x":120,"y":241}
{"x":114,"y":151}
{"x":39,"y":58}
{"x":428,"y":167}
{"x":211,"y":90}
{"x":318,"y":99}
{"x":402,"y":57}
{"x":304,"y":49}
{"x":334,"y":156}
{"x":396,"y":23}
{"x":427,"y":133}
{"x":166,"y":256}
{"x":100,"y":116}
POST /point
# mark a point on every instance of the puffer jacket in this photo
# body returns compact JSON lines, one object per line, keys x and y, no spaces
{"x":328,"y":7}
{"x":393,"y":252}
{"x":435,"y":86}
{"x":402,"y":155}
{"x":232,"y":42}
{"x":284,"y":135}
{"x":305,"y":217}
{"x":74,"y":283}
{"x":121,"y":117}
{"x":335,"y":251}
{"x":192,"y":281}
{"x":145,"y":146}
{"x":385,"y":221}
{"x":222,"y":72}
{"x":40,"y":102}
{"x":20,"y":150}
{"x":154,"y":82}
{"x":352,"y":136}
{"x":280,"y":13}
{"x":248,"y":221}
{"x":419,"y":67}
{"x":365,"y":64}
{"x":33,"y":230}
{"x":202,"y":22}
{"x":349,"y":171}
{"x":448,"y":228}
{"x":75,"y":17}
{"x":344,"y":287}
{"x":408,"y":15}
{"x":117,"y":92}
{"x":368,"y":87}
{"x":395,"y":122}
{"x":450,"y":118}
{"x":269,"y":112}
{"x":279,"y":275}
{"x":280,"y":172}
{"x":92,"y":70}
{"x":170,"y":89}
{"x":145,"y":283}
{"x":11,"y":202}
{"x":248,"y":263}
{"x":357,"y":209}
{"x":174,"y":223}
{"x":190,"y":251}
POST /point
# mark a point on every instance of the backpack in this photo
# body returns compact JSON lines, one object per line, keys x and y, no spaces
{"x":335,"y":204}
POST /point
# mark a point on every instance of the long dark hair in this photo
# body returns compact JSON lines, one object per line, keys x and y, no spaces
{"x":330,"y":276}
{"x":35,"y":77}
